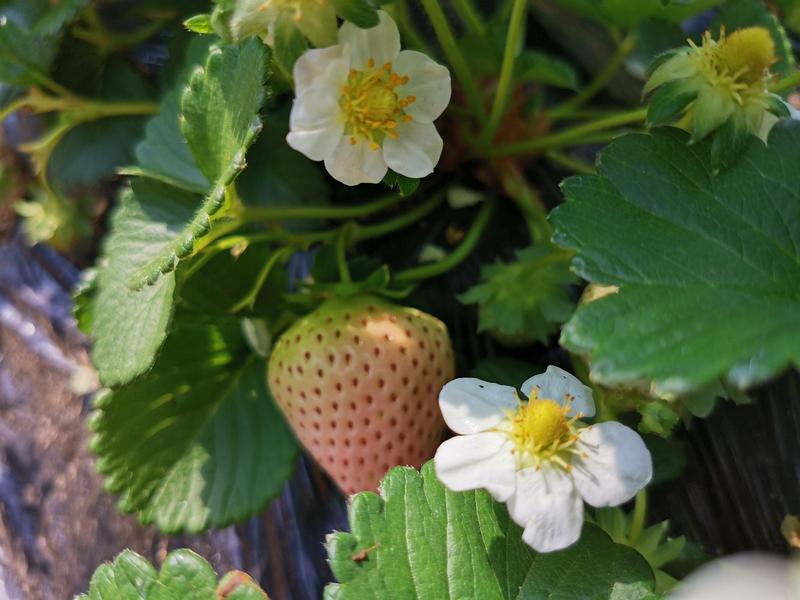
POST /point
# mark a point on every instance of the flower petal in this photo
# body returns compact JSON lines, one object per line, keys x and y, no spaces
{"x":470,"y":405}
{"x":356,"y":163}
{"x":547,"y":505}
{"x":380,"y":43}
{"x":556,"y":384}
{"x":315,"y":123}
{"x":428,"y":82}
{"x":313,"y":64}
{"x":741,"y":577}
{"x":480,"y":461}
{"x":416,"y":150}
{"x":615,"y":464}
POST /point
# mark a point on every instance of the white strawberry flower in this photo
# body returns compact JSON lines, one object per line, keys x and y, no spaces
{"x":536,"y":456}
{"x":364,"y":106}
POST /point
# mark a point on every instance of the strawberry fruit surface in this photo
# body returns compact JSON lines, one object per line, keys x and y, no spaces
{"x":358,"y":380}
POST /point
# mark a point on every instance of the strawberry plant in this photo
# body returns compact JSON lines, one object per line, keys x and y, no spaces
{"x":515,"y":284}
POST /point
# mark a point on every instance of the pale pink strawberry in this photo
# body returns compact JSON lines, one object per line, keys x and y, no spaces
{"x":358,"y":379}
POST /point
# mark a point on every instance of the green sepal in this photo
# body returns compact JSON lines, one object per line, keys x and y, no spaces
{"x":728,"y":143}
{"x":199,"y":24}
{"x":777,"y":106}
{"x":405,"y":185}
{"x":669,"y":101}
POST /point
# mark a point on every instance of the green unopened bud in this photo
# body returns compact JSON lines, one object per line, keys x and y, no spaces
{"x":719,"y":88}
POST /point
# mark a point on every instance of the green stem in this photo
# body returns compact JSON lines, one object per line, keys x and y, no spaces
{"x":572,"y":136}
{"x":341,"y":255}
{"x":260,"y":214}
{"x":249,"y":299}
{"x":570,"y":163}
{"x":507,"y":69}
{"x":51,"y":85}
{"x":531,"y":207}
{"x":470,"y":16}
{"x":599,"y":82}
{"x":454,"y":55}
{"x":456,"y":256}
{"x":787,"y":83}
{"x":368,"y":232}
{"x":639,"y":514}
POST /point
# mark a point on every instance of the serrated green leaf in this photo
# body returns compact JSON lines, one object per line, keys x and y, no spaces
{"x":198,"y":441}
{"x":127,"y":578}
{"x":708,"y":264}
{"x":163,"y":154}
{"x":219,"y":121}
{"x":184,"y":576}
{"x":128,"y":326}
{"x":420,"y":540}
{"x":529,"y":297}
{"x":219,"y":109}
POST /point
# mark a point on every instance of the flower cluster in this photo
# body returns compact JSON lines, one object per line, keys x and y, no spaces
{"x":536,"y":456}
{"x":364,"y":106}
{"x":720,"y":86}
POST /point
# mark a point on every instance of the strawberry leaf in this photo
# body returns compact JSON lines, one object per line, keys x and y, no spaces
{"x":219,"y":121}
{"x":198,"y":441}
{"x":529,"y":297}
{"x":184,"y":575}
{"x":419,"y":540}
{"x":128,"y":326}
{"x":708,"y":264}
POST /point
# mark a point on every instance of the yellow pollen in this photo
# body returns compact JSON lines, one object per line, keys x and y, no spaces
{"x":748,"y":52}
{"x":371,"y":106}
{"x":539,"y":424}
{"x":541,"y":431}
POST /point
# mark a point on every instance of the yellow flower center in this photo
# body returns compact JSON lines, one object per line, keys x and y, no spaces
{"x":748,"y":53}
{"x":371,"y":106}
{"x":541,"y":430}
{"x":737,"y":63}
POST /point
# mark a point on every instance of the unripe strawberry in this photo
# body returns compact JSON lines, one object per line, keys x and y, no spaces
{"x":358,"y":379}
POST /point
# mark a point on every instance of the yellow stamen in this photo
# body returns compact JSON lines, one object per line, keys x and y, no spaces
{"x":371,"y":106}
{"x":541,"y":431}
